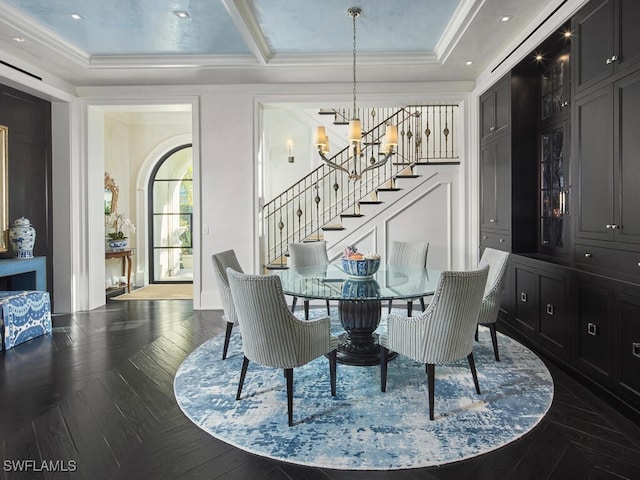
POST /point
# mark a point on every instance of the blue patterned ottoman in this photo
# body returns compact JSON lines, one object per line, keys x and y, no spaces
{"x":25,"y":315}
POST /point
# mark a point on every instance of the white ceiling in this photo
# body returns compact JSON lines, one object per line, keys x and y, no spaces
{"x":122,"y":42}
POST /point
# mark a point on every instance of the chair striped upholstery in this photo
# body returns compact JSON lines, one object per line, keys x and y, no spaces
{"x":272,"y":335}
{"x":443,"y":332}
{"x":221,"y":261}
{"x":497,"y":261}
{"x":413,"y":254}
{"x":307,"y":254}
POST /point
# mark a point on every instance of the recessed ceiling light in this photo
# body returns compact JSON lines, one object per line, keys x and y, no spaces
{"x":468,"y":62}
{"x":76,"y":16}
{"x":181,"y":14}
{"x":539,"y":57}
{"x":506,"y":18}
{"x":19,"y":39}
{"x":567,"y":34}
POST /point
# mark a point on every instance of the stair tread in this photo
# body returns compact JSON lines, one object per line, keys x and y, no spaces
{"x":453,"y":162}
{"x":370,"y":202}
{"x":276,"y":267}
{"x":335,"y":227}
{"x":408,"y":176}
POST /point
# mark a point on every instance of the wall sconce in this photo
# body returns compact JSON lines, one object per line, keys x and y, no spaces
{"x":291,"y":158}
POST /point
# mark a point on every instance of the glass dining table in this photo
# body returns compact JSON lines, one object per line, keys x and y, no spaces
{"x":359,"y":300}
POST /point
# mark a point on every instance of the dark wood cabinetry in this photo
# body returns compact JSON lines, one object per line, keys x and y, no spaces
{"x":594,"y":147}
{"x":495,"y":110}
{"x":540,"y":303}
{"x":608,"y":347}
{"x":607,"y":144}
{"x":606,"y":41}
{"x":594,"y":310}
{"x":573,"y":292}
{"x":588,"y":322}
{"x":628,"y":313}
{"x":507,"y":164}
{"x":554,"y":154}
{"x":495,"y":186}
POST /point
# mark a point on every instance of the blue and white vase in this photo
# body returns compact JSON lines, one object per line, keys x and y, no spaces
{"x":118,"y":245}
{"x":22,"y":237}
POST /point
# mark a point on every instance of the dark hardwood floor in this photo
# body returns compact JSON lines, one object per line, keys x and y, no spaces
{"x":97,"y":396}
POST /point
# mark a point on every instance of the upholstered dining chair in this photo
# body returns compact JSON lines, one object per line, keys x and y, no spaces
{"x":307,"y":254}
{"x":497,"y":261}
{"x":413,"y":254}
{"x":443,"y":332}
{"x":275,"y":337}
{"x":221,"y":261}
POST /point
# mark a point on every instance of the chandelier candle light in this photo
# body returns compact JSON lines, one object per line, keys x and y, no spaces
{"x":355,"y":128}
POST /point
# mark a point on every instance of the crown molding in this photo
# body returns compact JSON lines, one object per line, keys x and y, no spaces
{"x":35,"y":33}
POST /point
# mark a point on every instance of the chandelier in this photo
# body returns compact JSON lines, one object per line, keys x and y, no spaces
{"x":355,"y":129}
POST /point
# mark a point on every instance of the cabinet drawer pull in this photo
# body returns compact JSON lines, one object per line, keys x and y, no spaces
{"x":615,"y":227}
{"x":609,"y":61}
{"x":523,"y":297}
{"x":614,"y":58}
{"x":484,"y":237}
{"x":635,"y":349}
{"x":501,"y":240}
{"x":491,"y":129}
{"x":609,"y":226}
{"x":592,"y":329}
{"x":549,"y":309}
{"x":588,"y":255}
{"x":492,"y":220}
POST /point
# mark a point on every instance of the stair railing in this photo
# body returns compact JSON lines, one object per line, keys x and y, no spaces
{"x":318,"y":201}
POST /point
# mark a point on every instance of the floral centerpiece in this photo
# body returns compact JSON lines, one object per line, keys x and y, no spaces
{"x":116,"y":224}
{"x":356,"y":264}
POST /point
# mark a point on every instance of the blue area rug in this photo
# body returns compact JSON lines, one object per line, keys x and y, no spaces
{"x":362,"y":428}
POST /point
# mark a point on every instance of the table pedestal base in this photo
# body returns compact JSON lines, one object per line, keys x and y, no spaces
{"x":359,"y":345}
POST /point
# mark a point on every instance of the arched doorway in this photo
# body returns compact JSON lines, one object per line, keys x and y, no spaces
{"x":171,"y":218}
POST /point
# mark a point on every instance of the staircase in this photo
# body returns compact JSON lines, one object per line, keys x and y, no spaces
{"x":322,"y":200}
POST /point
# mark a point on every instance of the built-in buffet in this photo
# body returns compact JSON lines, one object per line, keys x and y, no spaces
{"x":559,"y":179}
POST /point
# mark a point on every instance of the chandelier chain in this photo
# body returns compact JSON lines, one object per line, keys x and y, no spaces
{"x":354,"y":13}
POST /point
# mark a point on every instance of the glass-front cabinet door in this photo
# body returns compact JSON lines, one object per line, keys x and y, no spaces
{"x":554,"y":194}
{"x":554,"y":87}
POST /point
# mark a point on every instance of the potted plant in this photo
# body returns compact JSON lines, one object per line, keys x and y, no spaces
{"x":116,"y":223}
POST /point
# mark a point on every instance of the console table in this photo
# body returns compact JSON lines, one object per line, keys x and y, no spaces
{"x":126,"y":263}
{"x":25,"y":273}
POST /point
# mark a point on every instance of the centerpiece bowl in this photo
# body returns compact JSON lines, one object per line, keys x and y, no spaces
{"x":365,"y":267}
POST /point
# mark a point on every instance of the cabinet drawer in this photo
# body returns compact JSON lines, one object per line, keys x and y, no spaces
{"x":607,"y":260}
{"x":594,"y":314}
{"x":499,"y":241}
{"x":629,"y":346}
